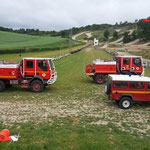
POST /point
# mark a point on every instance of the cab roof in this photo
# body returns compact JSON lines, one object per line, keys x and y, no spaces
{"x":39,"y":58}
{"x":129,"y":78}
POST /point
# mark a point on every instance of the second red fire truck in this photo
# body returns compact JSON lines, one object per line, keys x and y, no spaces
{"x":121,"y":65}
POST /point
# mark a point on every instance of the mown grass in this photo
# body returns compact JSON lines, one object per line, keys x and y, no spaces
{"x":21,"y":43}
{"x":47,"y":54}
{"x":70,"y":128}
{"x":10,"y":40}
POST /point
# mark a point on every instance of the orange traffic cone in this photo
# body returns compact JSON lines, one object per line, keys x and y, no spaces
{"x":5,"y":136}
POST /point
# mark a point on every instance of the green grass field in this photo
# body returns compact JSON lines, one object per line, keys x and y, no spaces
{"x":21,"y":43}
{"x":10,"y":40}
{"x":72,"y":114}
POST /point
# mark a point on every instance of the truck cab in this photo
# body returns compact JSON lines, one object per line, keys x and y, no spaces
{"x":132,"y":64}
{"x":127,"y":89}
{"x":39,"y":67}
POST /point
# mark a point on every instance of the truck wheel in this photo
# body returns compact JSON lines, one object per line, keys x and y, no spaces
{"x":99,"y":79}
{"x":125,"y":103}
{"x":107,"y":88}
{"x":2,"y":86}
{"x":37,"y":86}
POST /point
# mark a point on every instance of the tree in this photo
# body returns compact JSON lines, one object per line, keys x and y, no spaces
{"x":126,"y":37}
{"x":144,"y":29}
{"x":116,"y":24}
{"x":106,"y":34}
{"x":134,"y":35}
{"x":115,"y":35}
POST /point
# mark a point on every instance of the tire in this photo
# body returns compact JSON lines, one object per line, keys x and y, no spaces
{"x":37,"y":86}
{"x":99,"y":79}
{"x":2,"y":86}
{"x":125,"y":103}
{"x":107,"y":88}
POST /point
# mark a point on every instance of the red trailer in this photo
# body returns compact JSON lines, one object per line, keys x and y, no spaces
{"x":35,"y":73}
{"x":121,"y":65}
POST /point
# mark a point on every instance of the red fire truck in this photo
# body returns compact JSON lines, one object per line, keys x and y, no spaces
{"x":35,"y":73}
{"x":121,"y":65}
{"x":127,"y":89}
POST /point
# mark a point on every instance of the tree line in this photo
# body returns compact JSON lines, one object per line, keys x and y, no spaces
{"x":142,"y":30}
{"x":64,"y":33}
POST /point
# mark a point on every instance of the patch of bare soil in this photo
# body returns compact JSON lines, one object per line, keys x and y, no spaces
{"x":117,"y":41}
{"x":99,"y":109}
{"x":133,"y":42}
{"x":89,"y":34}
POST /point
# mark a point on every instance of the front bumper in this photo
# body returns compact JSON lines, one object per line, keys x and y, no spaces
{"x":52,"y":79}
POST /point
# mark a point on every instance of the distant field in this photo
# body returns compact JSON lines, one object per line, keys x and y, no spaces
{"x":20,"y":43}
{"x":10,"y":40}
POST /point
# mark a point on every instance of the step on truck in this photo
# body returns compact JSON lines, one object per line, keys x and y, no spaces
{"x":35,"y":73}
{"x":121,"y":65}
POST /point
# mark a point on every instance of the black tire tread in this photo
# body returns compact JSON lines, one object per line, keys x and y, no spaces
{"x":97,"y":76}
{"x":41,"y":86}
{"x":2,"y":86}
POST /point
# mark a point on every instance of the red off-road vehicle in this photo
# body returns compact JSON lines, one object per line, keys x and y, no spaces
{"x":121,"y":65}
{"x":35,"y":73}
{"x":127,"y":89}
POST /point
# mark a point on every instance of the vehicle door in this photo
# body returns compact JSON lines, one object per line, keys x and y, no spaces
{"x":125,"y":64}
{"x":42,"y":69}
{"x":137,"y":65}
{"x":29,"y":67}
{"x":137,"y":90}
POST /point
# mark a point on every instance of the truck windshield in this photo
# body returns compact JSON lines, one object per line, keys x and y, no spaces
{"x":51,"y":64}
{"x":137,"y":62}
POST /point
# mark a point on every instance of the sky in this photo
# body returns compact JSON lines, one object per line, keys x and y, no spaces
{"x":65,"y":14}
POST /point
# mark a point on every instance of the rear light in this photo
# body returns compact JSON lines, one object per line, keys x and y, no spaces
{"x":89,"y":68}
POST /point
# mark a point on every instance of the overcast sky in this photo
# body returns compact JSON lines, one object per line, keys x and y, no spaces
{"x":64,"y":14}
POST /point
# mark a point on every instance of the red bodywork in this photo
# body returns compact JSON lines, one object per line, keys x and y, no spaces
{"x":121,"y":65}
{"x":138,"y":93}
{"x":27,"y":70}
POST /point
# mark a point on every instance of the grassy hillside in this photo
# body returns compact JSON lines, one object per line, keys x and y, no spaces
{"x":82,"y":37}
{"x":10,"y":40}
{"x":72,"y":114}
{"x":20,"y":43}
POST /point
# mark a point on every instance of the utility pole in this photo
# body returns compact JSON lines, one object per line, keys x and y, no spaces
{"x":70,"y":40}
